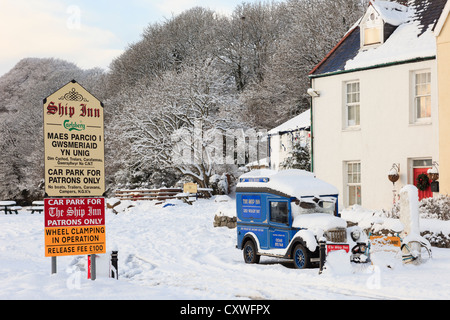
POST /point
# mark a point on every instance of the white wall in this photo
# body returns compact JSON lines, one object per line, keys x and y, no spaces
{"x":279,"y":154}
{"x":386,"y":135}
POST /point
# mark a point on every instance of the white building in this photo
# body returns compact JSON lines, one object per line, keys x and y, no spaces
{"x":377,"y":105}
{"x":283,"y":138}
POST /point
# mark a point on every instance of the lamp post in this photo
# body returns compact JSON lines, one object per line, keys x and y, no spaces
{"x":393,"y":176}
{"x":433,"y":175}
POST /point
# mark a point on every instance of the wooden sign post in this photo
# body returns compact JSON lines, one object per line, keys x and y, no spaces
{"x":74,"y":169}
{"x":74,"y":143}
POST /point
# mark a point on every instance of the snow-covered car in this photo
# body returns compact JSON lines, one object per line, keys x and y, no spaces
{"x":287,"y":214}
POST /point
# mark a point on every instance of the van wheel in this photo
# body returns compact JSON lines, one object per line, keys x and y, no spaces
{"x":249,"y":252}
{"x":301,"y":257}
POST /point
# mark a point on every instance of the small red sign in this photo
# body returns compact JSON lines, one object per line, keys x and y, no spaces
{"x":74,"y":226}
{"x":73,"y":212}
{"x":336,"y":247}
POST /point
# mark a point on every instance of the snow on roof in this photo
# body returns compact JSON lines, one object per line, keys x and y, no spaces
{"x":302,"y":121}
{"x":412,"y":40}
{"x":391,"y":12}
{"x":293,"y":182}
{"x":260,"y":162}
{"x":404,"y":44}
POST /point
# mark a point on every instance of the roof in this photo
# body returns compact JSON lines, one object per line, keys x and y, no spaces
{"x":391,"y":12}
{"x":288,"y":183}
{"x":412,"y":39}
{"x":440,"y":23}
{"x":300,"y":122}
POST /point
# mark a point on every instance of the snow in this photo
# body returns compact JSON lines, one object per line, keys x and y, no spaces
{"x":293,"y":182}
{"x":392,"y":12}
{"x":367,"y":218}
{"x":308,"y":237}
{"x":302,"y":121}
{"x":409,"y":212}
{"x":318,"y":221}
{"x":433,"y":170}
{"x":404,"y":44}
{"x":175,"y":253}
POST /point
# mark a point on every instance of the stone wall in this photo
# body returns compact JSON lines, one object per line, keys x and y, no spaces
{"x":224,"y":221}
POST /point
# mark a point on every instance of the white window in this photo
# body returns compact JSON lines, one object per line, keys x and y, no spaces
{"x":372,"y":36}
{"x":422,"y":96}
{"x":353,"y":169}
{"x":352,"y":104}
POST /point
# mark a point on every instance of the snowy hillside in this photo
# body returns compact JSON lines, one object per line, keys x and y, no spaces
{"x":176,"y":253}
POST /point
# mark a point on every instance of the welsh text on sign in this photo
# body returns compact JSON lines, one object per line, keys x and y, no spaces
{"x":74,"y":143}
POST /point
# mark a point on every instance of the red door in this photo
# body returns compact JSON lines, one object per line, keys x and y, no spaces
{"x":427,"y":192}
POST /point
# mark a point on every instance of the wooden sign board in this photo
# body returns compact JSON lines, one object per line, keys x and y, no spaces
{"x":74,"y":226}
{"x":384,"y":240}
{"x":74,"y":143}
{"x":190,"y":187}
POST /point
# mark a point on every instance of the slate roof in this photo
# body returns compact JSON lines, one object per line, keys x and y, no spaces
{"x":410,"y":40}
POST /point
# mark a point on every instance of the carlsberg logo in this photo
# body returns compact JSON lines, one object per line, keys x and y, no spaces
{"x":71,"y":126}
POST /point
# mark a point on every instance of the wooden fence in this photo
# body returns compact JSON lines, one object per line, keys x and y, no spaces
{"x":158,"y":194}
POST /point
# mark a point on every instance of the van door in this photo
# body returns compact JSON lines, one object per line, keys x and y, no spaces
{"x":278,"y":224}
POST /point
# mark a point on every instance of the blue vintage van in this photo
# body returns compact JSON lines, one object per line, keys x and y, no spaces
{"x":287,"y":214}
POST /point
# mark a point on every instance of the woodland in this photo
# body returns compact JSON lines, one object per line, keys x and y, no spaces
{"x":196,"y":72}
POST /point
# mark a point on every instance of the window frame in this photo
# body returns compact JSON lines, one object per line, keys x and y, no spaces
{"x":355,"y":103}
{"x":351,"y":183}
{"x":416,"y":95}
{"x":371,"y":26}
{"x":272,"y":218}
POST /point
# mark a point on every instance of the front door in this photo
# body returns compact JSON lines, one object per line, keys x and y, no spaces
{"x":279,"y":224}
{"x":422,"y":193}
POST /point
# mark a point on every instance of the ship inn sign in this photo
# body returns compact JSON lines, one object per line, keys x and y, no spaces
{"x":74,"y":143}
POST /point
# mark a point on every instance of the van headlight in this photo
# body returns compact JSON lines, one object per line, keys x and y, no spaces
{"x":355,"y":235}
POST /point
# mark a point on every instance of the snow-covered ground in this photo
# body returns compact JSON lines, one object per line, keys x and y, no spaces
{"x":176,"y":253}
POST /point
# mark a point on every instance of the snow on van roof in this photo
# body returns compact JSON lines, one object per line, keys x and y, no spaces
{"x":292,"y":182}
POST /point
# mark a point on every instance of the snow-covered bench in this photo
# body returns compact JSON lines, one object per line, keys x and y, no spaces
{"x":15,"y":209}
{"x":9,"y":207}
{"x":38,"y":206}
{"x":38,"y":209}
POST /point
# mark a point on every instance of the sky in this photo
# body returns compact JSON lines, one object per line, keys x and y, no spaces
{"x":89,"y":33}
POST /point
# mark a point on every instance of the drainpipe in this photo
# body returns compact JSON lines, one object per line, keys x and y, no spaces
{"x":269,"y":151}
{"x":312,"y":129}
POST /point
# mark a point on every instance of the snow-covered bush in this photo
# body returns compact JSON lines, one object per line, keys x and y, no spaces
{"x":435,"y":208}
{"x":299,"y":158}
{"x":219,"y":184}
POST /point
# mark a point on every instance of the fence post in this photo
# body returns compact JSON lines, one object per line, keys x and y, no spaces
{"x":53,"y":265}
{"x":322,"y":251}
{"x":114,"y":264}
{"x":93,"y":267}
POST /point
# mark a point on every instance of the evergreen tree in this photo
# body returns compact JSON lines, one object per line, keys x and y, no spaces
{"x":300,"y":158}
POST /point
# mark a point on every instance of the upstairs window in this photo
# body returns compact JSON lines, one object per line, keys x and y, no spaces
{"x":372,"y":30}
{"x":352,"y":104}
{"x":422,"y":96}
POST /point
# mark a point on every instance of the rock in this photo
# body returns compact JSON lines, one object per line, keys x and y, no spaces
{"x":224,"y":221}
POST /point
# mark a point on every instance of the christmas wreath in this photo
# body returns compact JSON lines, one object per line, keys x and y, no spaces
{"x":423,"y":182}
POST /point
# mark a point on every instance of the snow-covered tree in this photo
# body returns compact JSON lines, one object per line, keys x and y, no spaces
{"x":22,"y":91}
{"x":315,"y":27}
{"x":299,"y":158}
{"x":180,"y":110}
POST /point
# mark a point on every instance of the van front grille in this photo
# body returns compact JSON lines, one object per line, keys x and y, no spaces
{"x":336,"y":235}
